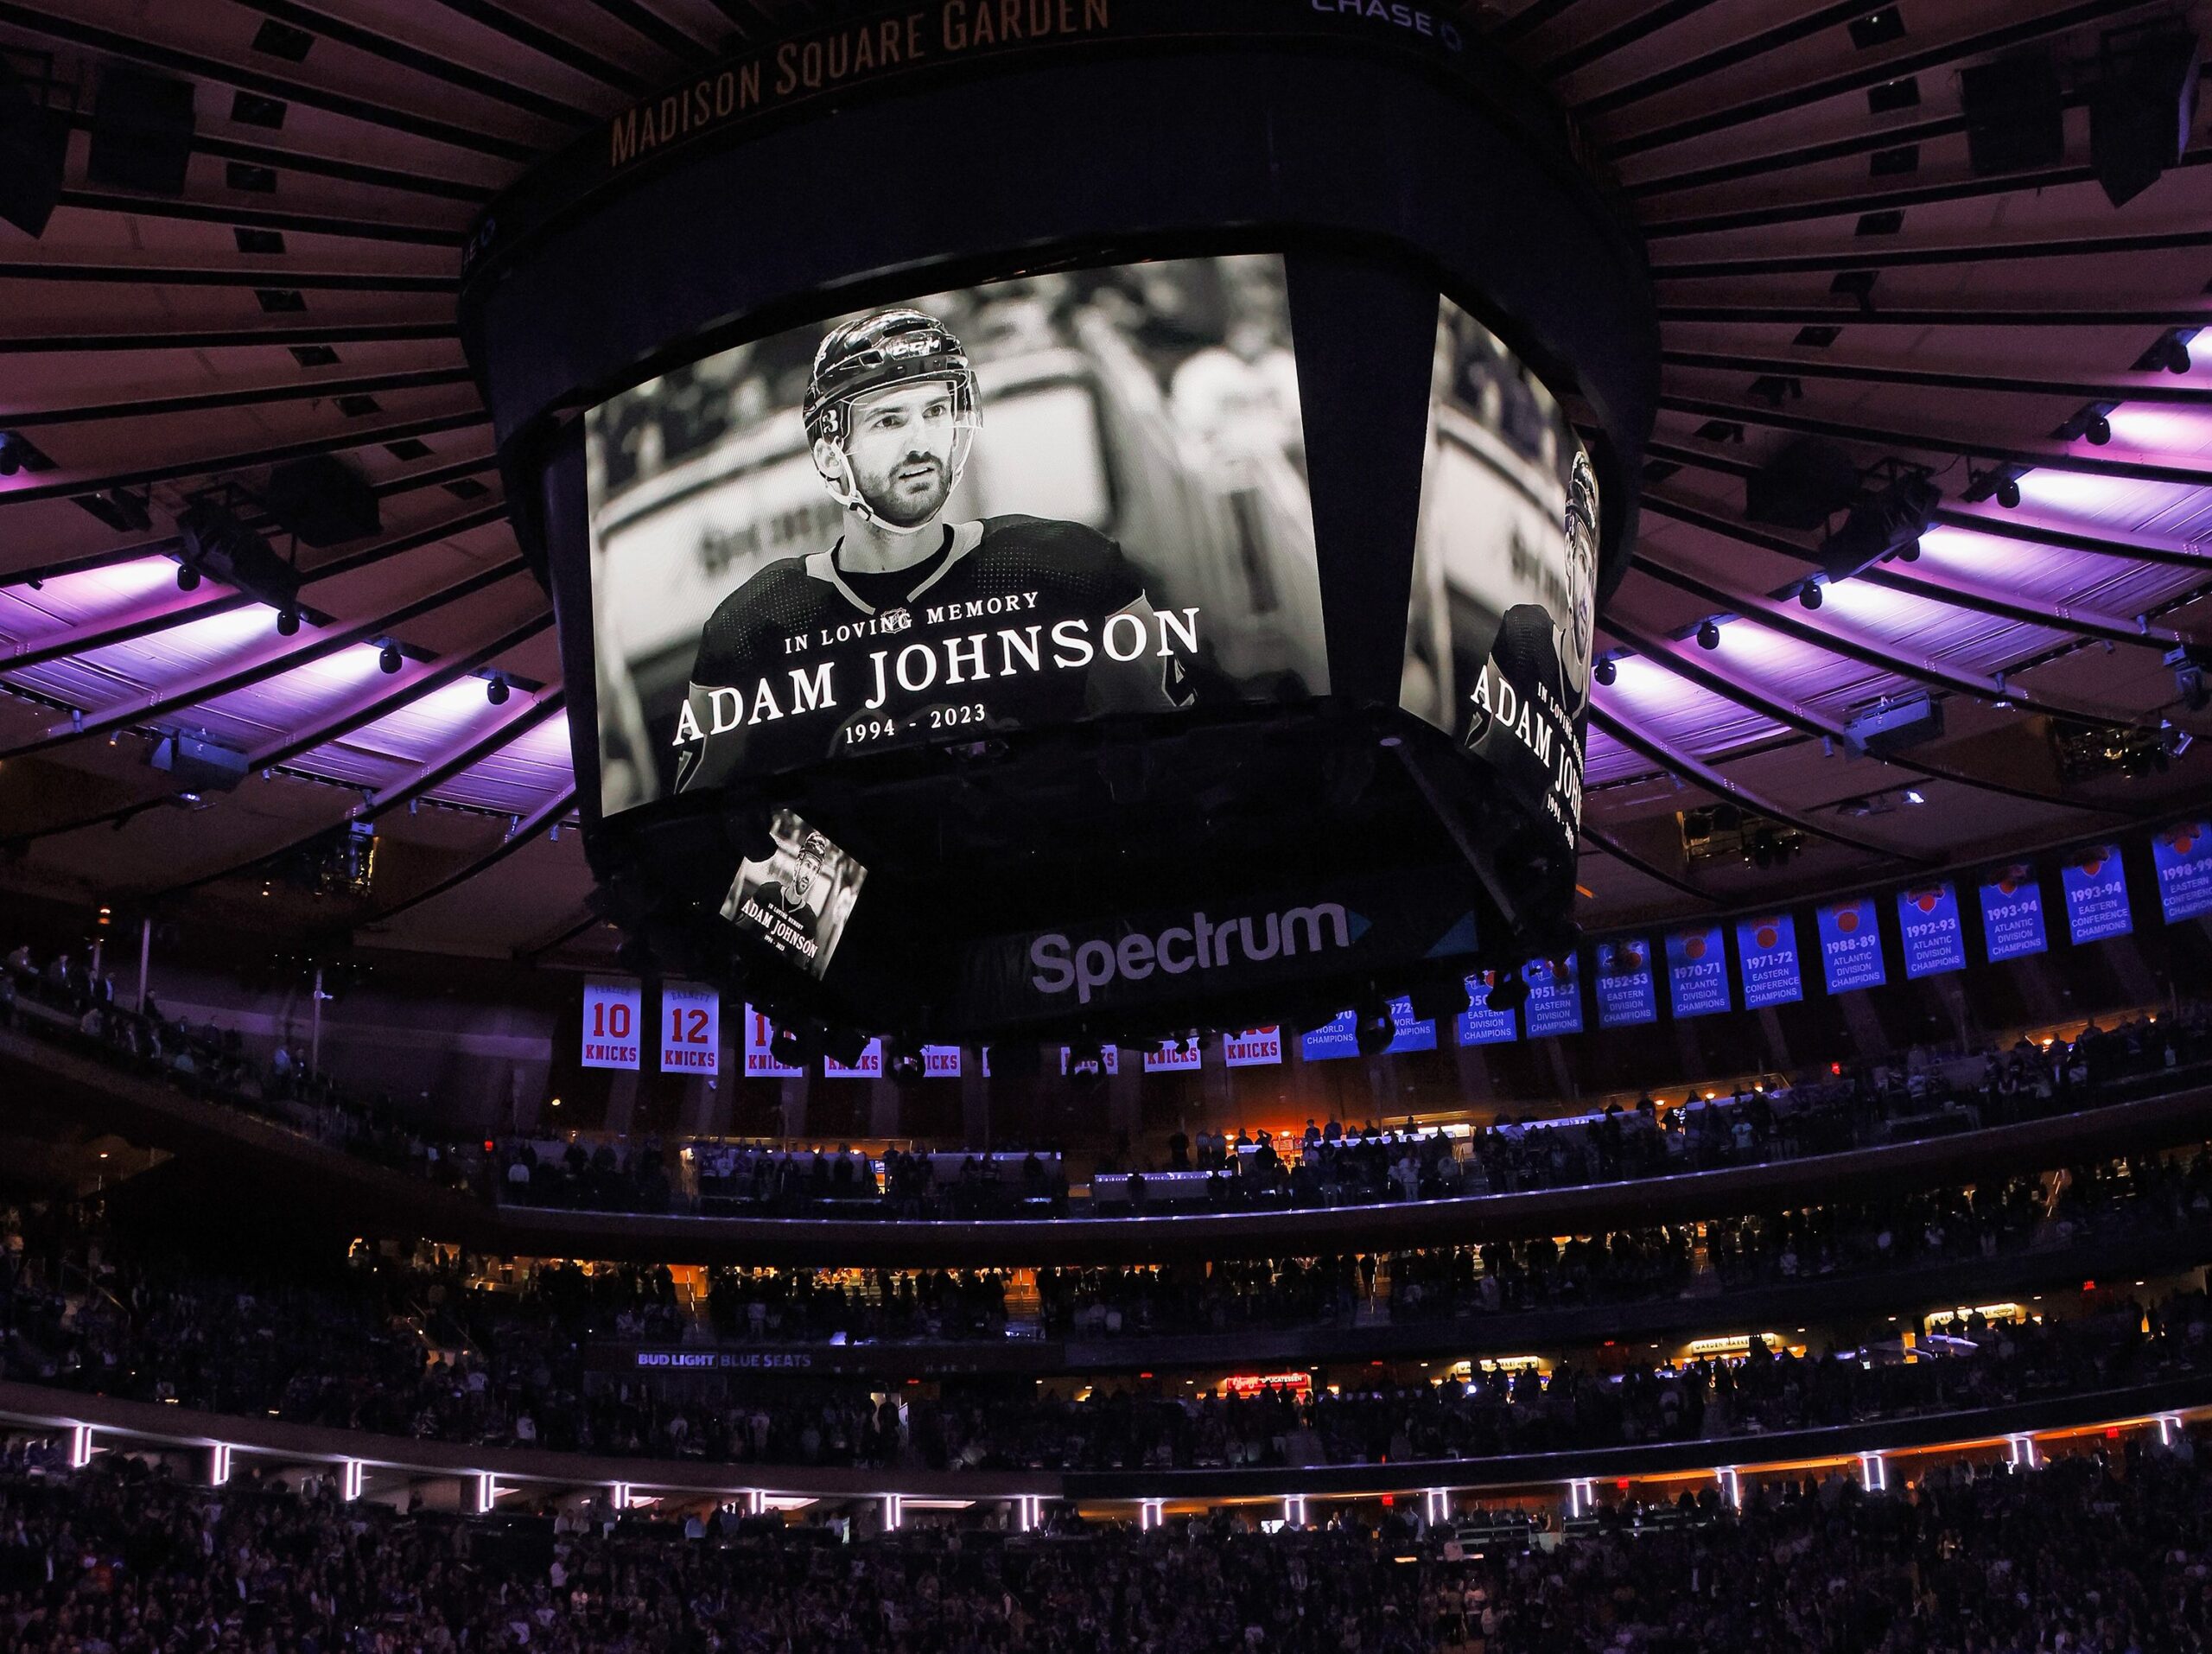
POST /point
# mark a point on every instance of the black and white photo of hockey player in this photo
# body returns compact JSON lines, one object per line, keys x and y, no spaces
{"x":1503,"y":619}
{"x":1059,"y":497}
{"x":908,"y":627}
{"x":800,"y":897}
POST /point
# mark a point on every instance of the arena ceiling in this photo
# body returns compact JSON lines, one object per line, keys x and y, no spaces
{"x":1828,"y":261}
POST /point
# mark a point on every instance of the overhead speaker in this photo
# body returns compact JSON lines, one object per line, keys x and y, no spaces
{"x":2015,"y":111}
{"x":2143,"y":110}
{"x":322,"y":501}
{"x":1801,"y":487}
{"x":1885,"y":524}
{"x":142,"y":132}
{"x":33,"y":143}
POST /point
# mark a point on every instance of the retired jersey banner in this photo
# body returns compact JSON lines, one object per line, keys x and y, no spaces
{"x":1697,"y":972}
{"x":1173,"y":1056}
{"x":1108,"y":1062}
{"x":760,"y":1058}
{"x":613,"y":1024}
{"x":2095,"y":883}
{"x":1252,"y":1048}
{"x":2012,"y":915}
{"x":1766,"y":950}
{"x":2183,"y":857}
{"x":942,"y":1062}
{"x":1626,"y":994}
{"x":1554,"y":996}
{"x":1851,"y":945}
{"x":1927,"y":923}
{"x":870,"y":1064}
{"x":690,"y":1029}
{"x":1478,"y":1025}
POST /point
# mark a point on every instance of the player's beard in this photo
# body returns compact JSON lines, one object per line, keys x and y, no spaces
{"x":903,"y":508}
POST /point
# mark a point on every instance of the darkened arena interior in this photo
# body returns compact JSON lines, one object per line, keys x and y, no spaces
{"x":1105,"y":826}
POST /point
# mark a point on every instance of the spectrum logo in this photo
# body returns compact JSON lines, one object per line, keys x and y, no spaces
{"x":1062,"y":965}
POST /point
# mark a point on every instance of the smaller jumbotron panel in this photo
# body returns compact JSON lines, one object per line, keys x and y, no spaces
{"x":1004,"y":508}
{"x":1503,"y":615}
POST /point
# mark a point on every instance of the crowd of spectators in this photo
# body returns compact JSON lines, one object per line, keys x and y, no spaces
{"x":433,"y":1344}
{"x":1331,"y":1163}
{"x":65,"y":999}
{"x":2110,"y":1549}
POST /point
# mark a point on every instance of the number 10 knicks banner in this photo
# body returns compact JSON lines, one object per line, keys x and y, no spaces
{"x":612,"y":1016}
{"x":1171,"y":956}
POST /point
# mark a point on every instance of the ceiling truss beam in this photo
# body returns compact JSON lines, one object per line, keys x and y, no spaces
{"x":171,"y":471}
{"x":1845,"y":430}
{"x":196,"y":66}
{"x":229,"y":677}
{"x":465,"y":754}
{"x":1696,"y":770}
{"x":547,"y":815}
{"x":261,"y":396}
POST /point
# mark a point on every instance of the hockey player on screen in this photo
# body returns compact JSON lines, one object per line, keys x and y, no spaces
{"x":1531,"y":694}
{"x":909,"y":628}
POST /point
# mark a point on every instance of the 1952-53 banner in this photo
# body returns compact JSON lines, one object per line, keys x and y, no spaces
{"x":1003,"y":508}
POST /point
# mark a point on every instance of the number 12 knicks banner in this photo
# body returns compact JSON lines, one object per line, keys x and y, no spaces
{"x":690,"y":1029}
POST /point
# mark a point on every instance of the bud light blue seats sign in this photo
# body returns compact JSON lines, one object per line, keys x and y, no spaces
{"x":1851,"y":945}
{"x":2095,"y":883}
{"x":1554,"y":996}
{"x":1767,"y":948}
{"x":1697,"y":972}
{"x":1478,"y":1025}
{"x":2012,"y":913}
{"x":1927,"y":923}
{"x":2183,"y":857}
{"x":1625,"y":996}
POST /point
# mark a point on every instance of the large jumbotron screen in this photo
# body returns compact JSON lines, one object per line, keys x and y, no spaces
{"x":1001,"y":508}
{"x":1505,"y":571}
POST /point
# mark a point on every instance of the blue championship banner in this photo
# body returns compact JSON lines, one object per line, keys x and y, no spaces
{"x":1928,"y":923}
{"x":1478,"y":1025}
{"x":1626,"y":994}
{"x":1851,"y":945}
{"x":1697,"y":972}
{"x":1554,"y":996}
{"x":2183,"y":857}
{"x":1767,"y":951}
{"x":2012,"y":913}
{"x":2095,"y":882}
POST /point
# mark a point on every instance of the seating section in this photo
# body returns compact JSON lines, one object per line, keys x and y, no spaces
{"x":2107,"y":1548}
{"x":506,"y":1352}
